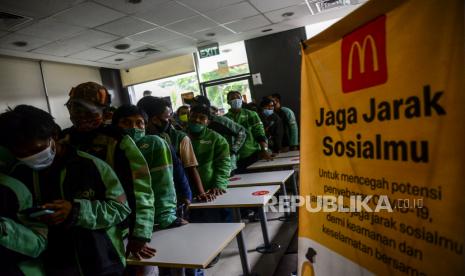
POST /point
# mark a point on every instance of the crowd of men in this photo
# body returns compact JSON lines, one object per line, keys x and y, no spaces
{"x":79,"y":201}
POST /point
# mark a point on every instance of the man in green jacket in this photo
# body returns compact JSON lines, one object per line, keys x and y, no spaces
{"x":87,"y":104}
{"x":157,"y":153}
{"x":158,"y":111}
{"x":79,"y":196}
{"x":290,"y":123}
{"x":212,"y":151}
{"x":234,"y":133}
{"x":19,"y":252}
{"x":255,"y":146}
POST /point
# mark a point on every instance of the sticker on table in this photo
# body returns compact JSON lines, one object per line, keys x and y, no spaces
{"x":260,"y":193}
{"x":234,"y":178}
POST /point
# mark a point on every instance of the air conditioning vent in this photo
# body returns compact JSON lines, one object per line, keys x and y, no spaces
{"x":318,"y":6}
{"x":145,"y":51}
{"x":8,"y":21}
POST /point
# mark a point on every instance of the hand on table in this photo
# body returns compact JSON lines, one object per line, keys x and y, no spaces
{"x":205,"y":197}
{"x":139,"y":249}
{"x":185,"y":201}
{"x":266,"y":155}
{"x":216,"y":191}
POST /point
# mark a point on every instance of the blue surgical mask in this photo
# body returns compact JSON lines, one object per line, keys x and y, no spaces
{"x":268,"y":112}
{"x":236,"y":103}
{"x":40,"y":160}
{"x":135,"y":133}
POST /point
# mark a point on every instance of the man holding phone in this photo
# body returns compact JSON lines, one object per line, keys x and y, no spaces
{"x":81,"y":197}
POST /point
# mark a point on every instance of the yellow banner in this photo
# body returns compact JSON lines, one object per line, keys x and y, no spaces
{"x":383,"y":109}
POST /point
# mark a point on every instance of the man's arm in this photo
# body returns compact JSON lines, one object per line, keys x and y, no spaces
{"x":222,"y":164}
{"x":100,"y":214}
{"x":181,"y":183}
{"x":190,"y":164}
{"x":143,"y":193}
{"x":18,"y":241}
{"x":293,"y":128}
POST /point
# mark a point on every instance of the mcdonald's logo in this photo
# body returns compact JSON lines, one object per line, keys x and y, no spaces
{"x":363,"y":55}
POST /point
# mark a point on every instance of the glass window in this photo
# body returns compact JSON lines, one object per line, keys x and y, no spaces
{"x":218,"y":94}
{"x":178,"y":89}
{"x":231,"y":61}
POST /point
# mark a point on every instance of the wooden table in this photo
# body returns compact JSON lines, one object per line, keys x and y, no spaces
{"x":236,"y":198}
{"x":193,"y":245}
{"x":294,"y":153}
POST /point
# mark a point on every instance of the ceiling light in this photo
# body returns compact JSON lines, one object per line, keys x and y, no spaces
{"x":123,"y":46}
{"x":266,"y":30}
{"x":20,"y":43}
{"x":287,"y":14}
{"x":119,"y":59}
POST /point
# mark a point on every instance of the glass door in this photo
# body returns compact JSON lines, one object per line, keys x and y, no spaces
{"x":217,"y":91}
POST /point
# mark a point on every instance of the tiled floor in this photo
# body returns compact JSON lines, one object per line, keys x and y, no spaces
{"x":262,"y":264}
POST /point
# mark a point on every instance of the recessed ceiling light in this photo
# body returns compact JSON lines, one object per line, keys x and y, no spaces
{"x":266,"y":30}
{"x":287,"y":14}
{"x":123,"y":46}
{"x":119,"y":59}
{"x":20,"y":43}
{"x":210,"y":34}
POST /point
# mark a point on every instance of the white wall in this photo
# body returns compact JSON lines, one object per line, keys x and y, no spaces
{"x":316,"y":28}
{"x":59,"y":79}
{"x":21,"y":83}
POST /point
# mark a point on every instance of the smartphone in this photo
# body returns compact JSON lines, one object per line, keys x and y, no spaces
{"x":35,"y":212}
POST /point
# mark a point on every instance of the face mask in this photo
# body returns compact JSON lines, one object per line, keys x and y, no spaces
{"x":164,"y":126}
{"x":183,"y":118}
{"x":236,"y":103}
{"x":267,"y":112}
{"x":196,"y":128}
{"x":135,"y":133}
{"x":40,"y":160}
{"x":87,"y":124}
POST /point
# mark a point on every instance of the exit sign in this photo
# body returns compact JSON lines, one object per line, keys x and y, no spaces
{"x":209,"y":50}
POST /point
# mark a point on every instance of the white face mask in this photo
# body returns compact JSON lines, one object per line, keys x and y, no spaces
{"x":40,"y":160}
{"x":236,"y":103}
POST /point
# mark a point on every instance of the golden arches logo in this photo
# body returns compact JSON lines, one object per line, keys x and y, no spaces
{"x":361,"y":55}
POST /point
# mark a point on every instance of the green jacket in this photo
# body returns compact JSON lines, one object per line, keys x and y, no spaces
{"x":293,"y":130}
{"x":7,"y":160}
{"x":234,"y":133}
{"x":255,"y":131}
{"x":158,"y":156}
{"x":123,"y":155}
{"x":212,"y":152}
{"x":90,"y":240}
{"x":22,"y":241}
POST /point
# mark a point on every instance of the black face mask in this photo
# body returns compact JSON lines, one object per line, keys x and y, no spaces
{"x":164,"y":126}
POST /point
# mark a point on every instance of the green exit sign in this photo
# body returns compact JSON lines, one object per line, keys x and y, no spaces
{"x":209,"y":50}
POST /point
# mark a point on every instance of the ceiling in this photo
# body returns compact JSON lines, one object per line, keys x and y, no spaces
{"x":86,"y":32}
